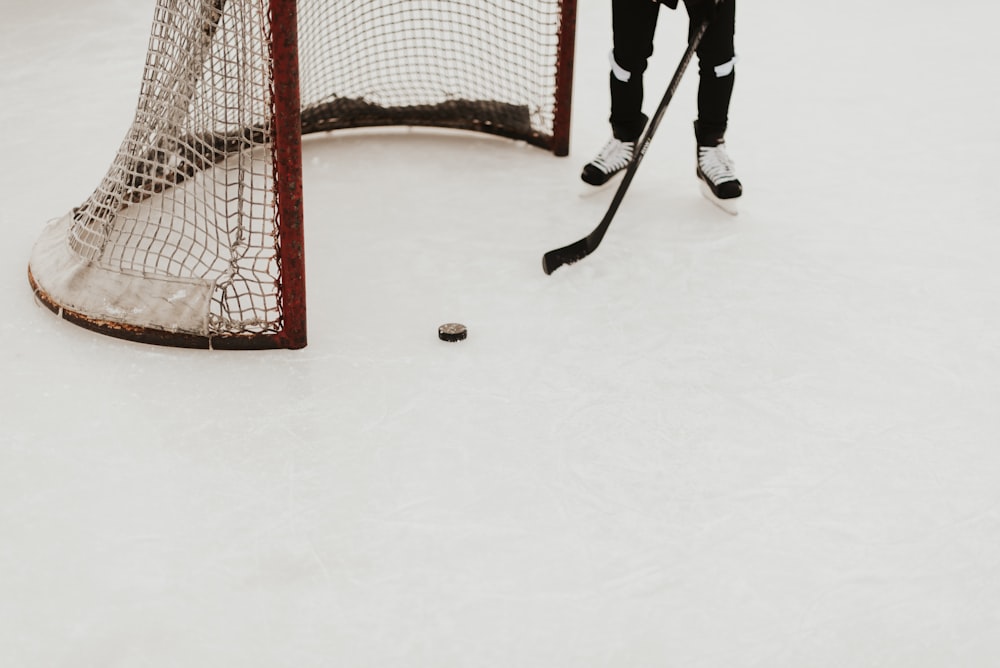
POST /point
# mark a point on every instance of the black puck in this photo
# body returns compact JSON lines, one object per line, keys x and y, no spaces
{"x":452,"y":331}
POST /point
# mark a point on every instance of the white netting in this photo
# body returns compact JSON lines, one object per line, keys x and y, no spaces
{"x":190,"y":193}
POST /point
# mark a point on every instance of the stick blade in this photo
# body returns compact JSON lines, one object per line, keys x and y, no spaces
{"x":566,"y":255}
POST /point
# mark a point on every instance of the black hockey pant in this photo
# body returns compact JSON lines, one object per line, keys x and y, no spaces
{"x":633,"y":26}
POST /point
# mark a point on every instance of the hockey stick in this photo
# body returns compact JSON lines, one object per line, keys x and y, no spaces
{"x":584,"y":247}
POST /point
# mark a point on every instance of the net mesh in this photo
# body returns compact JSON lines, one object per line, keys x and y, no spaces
{"x":477,"y":65}
{"x":191,"y":193}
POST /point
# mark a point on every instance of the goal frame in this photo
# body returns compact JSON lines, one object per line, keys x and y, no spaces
{"x":288,"y":128}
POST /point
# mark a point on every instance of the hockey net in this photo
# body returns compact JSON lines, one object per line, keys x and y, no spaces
{"x":194,"y":236}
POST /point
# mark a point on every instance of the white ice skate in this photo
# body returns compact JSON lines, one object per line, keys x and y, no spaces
{"x":717,"y":176}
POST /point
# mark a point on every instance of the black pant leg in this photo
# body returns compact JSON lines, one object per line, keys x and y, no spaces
{"x":633,"y":26}
{"x":715,"y":89}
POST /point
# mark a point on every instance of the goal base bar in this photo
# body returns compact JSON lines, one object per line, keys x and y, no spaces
{"x":120,"y":330}
{"x":512,"y":121}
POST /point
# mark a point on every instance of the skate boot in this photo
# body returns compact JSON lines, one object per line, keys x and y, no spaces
{"x":613,"y":158}
{"x":717,"y":174}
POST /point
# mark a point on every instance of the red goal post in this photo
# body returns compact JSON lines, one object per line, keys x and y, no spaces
{"x":194,"y":237}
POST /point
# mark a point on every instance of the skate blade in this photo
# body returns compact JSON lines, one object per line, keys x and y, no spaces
{"x":730,"y":206}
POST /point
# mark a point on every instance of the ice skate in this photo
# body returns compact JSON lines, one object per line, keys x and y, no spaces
{"x":611,"y":161}
{"x":717,"y":176}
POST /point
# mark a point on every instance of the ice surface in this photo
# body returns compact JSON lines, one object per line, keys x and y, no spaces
{"x":769,"y":440}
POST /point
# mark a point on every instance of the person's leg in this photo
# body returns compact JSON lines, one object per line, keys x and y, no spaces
{"x":633,"y":24}
{"x":716,"y":70}
{"x":716,"y":75}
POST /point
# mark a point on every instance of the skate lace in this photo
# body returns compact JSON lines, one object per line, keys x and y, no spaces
{"x":614,"y":156}
{"x":716,"y":164}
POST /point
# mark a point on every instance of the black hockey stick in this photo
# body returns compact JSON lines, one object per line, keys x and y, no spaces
{"x":584,"y":247}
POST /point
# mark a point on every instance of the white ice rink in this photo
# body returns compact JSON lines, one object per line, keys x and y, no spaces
{"x":769,"y":441}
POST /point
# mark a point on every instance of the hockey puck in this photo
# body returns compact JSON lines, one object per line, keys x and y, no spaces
{"x":452,"y":331}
